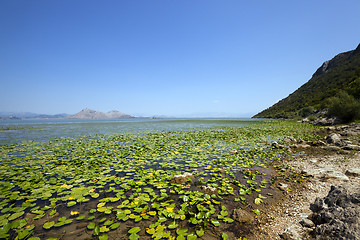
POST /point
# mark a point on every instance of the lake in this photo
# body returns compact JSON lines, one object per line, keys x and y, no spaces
{"x":14,"y":131}
{"x":162,"y":178}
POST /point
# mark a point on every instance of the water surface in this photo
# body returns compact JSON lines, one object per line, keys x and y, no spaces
{"x":14,"y":131}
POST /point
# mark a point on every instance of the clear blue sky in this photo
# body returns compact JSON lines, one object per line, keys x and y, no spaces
{"x":177,"y":58}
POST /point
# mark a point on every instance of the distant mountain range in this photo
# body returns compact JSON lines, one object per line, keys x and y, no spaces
{"x":83,"y":114}
{"x":340,"y":74}
{"x":92,"y":114}
{"x":20,"y":115}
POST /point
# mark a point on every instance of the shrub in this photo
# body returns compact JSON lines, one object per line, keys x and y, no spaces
{"x":306,"y":111}
{"x":344,"y":106}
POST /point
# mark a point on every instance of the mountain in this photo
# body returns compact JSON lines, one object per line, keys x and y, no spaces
{"x":21,"y":115}
{"x":92,"y":114}
{"x":340,"y":74}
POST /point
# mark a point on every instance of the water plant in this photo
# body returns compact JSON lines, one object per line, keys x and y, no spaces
{"x":124,"y":183}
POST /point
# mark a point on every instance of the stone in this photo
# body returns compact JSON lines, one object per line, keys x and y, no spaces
{"x":296,"y":146}
{"x":182,"y":177}
{"x":331,"y":148}
{"x":337,"y":216}
{"x":283,"y":186}
{"x":307,"y":223}
{"x":333,"y":138}
{"x":234,"y":151}
{"x":289,"y":139}
{"x":318,"y":143}
{"x":326,"y":121}
{"x":209,"y":190}
{"x":335,"y":175}
{"x":242,"y":216}
{"x":351,"y":147}
{"x":277,"y":145}
{"x":353,"y":172}
{"x":292,"y":233}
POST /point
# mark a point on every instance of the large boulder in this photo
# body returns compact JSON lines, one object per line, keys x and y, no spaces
{"x":337,"y":216}
{"x":333,"y":138}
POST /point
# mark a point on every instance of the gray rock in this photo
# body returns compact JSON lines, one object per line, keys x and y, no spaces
{"x":335,"y":175}
{"x":326,"y":121}
{"x":296,"y":146}
{"x":333,"y":138}
{"x":289,"y":139}
{"x":331,"y":148}
{"x":182,"y":177}
{"x":242,"y":216}
{"x":351,"y":147}
{"x":283,"y":186}
{"x":318,"y":143}
{"x":337,"y":216}
{"x":234,"y":151}
{"x":307,"y":223}
{"x":208,"y":189}
{"x":353,"y":172}
{"x":292,"y":233}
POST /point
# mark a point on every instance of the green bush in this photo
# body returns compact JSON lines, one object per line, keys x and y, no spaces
{"x":306,"y":111}
{"x":344,"y":106}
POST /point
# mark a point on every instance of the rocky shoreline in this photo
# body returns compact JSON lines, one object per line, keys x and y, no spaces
{"x":327,"y":205}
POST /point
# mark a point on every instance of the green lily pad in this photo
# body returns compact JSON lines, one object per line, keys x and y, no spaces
{"x":91,"y":225}
{"x":16,"y":215}
{"x":134,"y":230}
{"x":49,"y":225}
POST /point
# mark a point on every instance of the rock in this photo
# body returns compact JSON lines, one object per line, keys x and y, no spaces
{"x":351,"y":147}
{"x":277,"y":145}
{"x":296,"y":146}
{"x":335,"y":175}
{"x":292,"y":233}
{"x":305,"y":120}
{"x":234,"y":151}
{"x":331,"y":148}
{"x":307,"y":223}
{"x":313,"y":172}
{"x":283,"y":186}
{"x":182,"y":177}
{"x":333,"y":138}
{"x":318,"y":143}
{"x":337,"y":216}
{"x":354,"y":172}
{"x":301,"y":141}
{"x":326,"y":121}
{"x":209,"y":190}
{"x":242,"y":216}
{"x":289,"y":139}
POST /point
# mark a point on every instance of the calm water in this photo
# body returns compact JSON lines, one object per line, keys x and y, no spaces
{"x":46,"y":129}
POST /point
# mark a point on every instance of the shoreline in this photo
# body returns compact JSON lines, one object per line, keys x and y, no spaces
{"x":327,"y":167}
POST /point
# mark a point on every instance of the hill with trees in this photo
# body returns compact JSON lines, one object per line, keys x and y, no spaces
{"x":334,"y":89}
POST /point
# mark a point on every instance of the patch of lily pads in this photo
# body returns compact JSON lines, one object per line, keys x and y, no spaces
{"x":123,"y":184}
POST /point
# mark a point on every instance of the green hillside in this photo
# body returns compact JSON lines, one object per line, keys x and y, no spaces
{"x":336,"y":81}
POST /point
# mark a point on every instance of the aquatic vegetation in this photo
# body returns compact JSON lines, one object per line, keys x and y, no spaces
{"x":123,"y":183}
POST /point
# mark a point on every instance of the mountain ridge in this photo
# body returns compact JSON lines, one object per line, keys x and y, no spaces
{"x":341,"y":73}
{"x":87,"y":113}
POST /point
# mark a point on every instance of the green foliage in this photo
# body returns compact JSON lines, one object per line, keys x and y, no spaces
{"x":306,"y":111}
{"x":344,"y":106}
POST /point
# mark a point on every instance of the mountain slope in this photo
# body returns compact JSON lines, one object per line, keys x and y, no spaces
{"x":340,"y":73}
{"x":92,"y":114}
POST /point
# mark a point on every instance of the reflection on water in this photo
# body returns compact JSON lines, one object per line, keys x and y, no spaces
{"x":46,"y":129}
